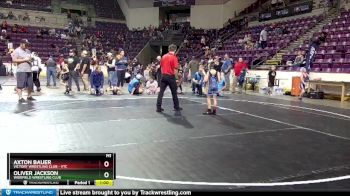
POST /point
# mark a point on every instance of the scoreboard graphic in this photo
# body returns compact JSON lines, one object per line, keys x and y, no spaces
{"x":79,"y":169}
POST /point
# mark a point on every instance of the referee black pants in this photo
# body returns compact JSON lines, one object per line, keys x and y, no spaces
{"x":168,"y":80}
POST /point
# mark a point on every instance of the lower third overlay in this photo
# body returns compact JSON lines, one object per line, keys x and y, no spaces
{"x":103,"y":192}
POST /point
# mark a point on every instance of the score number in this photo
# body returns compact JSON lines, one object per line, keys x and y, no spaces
{"x":106,"y":165}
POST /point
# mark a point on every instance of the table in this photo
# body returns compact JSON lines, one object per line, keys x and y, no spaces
{"x":330,"y":83}
{"x":277,"y":81}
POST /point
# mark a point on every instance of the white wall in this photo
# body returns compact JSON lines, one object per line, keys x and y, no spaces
{"x":286,"y":79}
{"x":139,"y":3}
{"x":215,"y":16}
{"x":207,"y":16}
{"x":142,"y":17}
{"x":139,"y":13}
{"x":235,"y":5}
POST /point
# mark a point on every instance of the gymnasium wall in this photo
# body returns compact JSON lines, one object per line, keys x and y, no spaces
{"x":215,"y":16}
{"x":234,"y":5}
{"x":207,"y":16}
{"x":139,"y":15}
{"x":143,"y":17}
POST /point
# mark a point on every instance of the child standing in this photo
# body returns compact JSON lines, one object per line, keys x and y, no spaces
{"x":65,"y":76}
{"x":212,"y":79}
{"x":96,"y":81}
{"x":197,"y":81}
{"x":152,"y":86}
{"x":303,"y":79}
{"x":272,"y":78}
{"x":221,"y":84}
{"x":241,"y":79}
{"x":179,"y":81}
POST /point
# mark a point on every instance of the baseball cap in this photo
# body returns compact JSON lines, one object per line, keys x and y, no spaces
{"x":24,"y":41}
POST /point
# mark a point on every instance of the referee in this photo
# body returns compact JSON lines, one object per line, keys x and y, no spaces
{"x":169,"y":66}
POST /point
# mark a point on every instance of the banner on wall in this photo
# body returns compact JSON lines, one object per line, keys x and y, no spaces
{"x":292,"y":10}
{"x":167,"y":3}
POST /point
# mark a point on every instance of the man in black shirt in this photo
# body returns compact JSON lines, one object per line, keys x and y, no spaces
{"x":85,"y":70}
{"x":73,"y":66}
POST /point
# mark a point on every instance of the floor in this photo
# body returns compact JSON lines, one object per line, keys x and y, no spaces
{"x":254,"y":143}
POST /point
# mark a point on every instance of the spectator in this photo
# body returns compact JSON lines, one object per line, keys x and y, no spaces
{"x":203,"y":41}
{"x":4,"y":26}
{"x":97,"y":81}
{"x":226,"y":69}
{"x":85,"y":69}
{"x":134,"y":86}
{"x":42,"y":19}
{"x":26,"y":17}
{"x":272,"y":78}
{"x":22,"y":57}
{"x":23,"y":29}
{"x":197,"y":81}
{"x":238,"y":72}
{"x":247,"y":38}
{"x":44,"y":31}
{"x":51,"y":71}
{"x":39,"y":34}
{"x":298,"y":61}
{"x":11,"y":16}
{"x":14,"y":28}
{"x":146,"y":72}
{"x":249,"y":46}
{"x":263,"y":38}
{"x":73,"y":66}
{"x":179,"y":81}
{"x":152,"y":86}
{"x":278,"y":31}
{"x":63,"y":35}
{"x":78,"y":30}
{"x":121,"y":66}
{"x":193,"y":66}
{"x":52,"y":32}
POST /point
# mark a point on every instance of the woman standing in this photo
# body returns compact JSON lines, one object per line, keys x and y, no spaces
{"x":121,"y":66}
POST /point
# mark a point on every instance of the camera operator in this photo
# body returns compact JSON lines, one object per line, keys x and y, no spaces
{"x":21,"y":56}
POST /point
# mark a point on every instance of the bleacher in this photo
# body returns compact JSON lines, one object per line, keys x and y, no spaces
{"x":334,"y":54}
{"x":43,"y":46}
{"x":133,"y":44}
{"x":106,"y":8}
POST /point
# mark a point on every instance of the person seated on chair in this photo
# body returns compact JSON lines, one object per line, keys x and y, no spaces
{"x":97,"y":80}
{"x":134,"y":87}
{"x":299,"y":59}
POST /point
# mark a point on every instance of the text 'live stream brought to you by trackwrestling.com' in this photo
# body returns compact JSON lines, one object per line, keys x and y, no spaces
{"x":95,"y":192}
